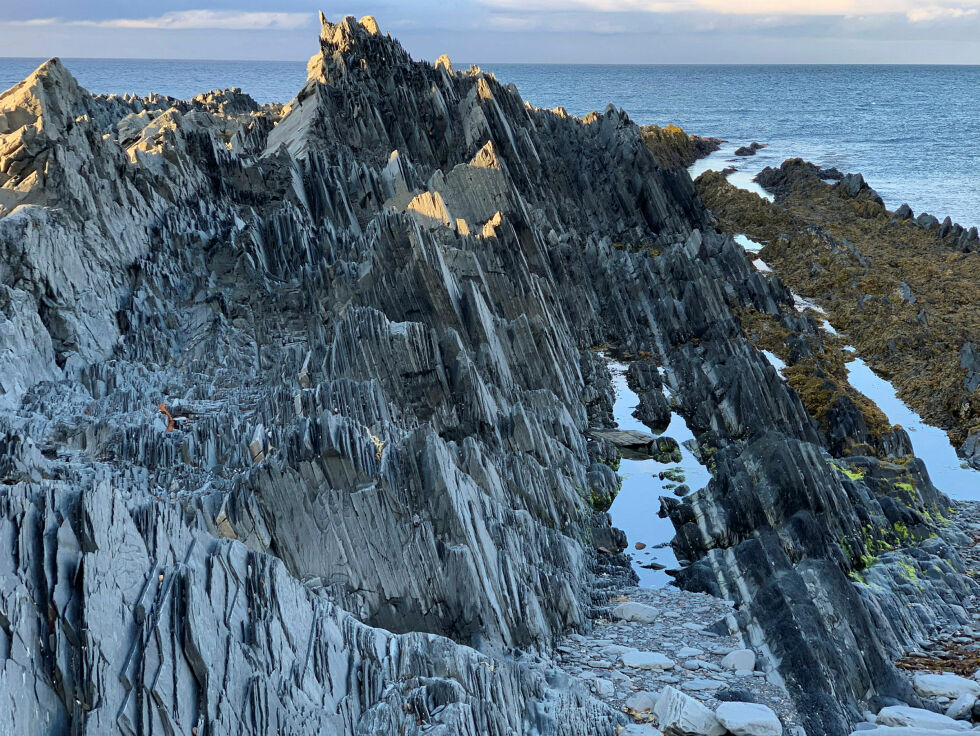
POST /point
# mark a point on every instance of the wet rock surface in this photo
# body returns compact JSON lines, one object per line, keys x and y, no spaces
{"x":294,"y":425}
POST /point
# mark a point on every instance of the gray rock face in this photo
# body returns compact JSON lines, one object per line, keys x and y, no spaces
{"x":296,"y":400}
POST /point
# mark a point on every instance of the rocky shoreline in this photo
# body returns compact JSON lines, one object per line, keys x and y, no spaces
{"x":304,"y":425}
{"x":649,"y":640}
{"x":899,"y":286}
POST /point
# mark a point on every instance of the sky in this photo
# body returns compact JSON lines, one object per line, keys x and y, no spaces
{"x":498,"y":31}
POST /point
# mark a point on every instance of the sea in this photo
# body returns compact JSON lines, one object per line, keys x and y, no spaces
{"x":911,"y":130}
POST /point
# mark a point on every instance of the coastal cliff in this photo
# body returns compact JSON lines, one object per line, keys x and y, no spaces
{"x":296,"y":402}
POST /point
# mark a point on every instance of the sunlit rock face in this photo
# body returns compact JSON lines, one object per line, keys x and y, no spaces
{"x":296,"y":406}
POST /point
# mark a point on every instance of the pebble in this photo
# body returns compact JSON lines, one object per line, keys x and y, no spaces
{"x":640,"y":653}
{"x":646,"y":660}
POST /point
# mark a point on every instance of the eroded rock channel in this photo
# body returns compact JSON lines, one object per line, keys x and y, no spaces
{"x":297,"y":412}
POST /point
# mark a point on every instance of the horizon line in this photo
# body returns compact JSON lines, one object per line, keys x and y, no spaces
{"x":503,"y":63}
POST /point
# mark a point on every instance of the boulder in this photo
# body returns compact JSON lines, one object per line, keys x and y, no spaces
{"x":666,"y":450}
{"x":961,"y":709}
{"x":740,"y":659}
{"x":749,"y":719}
{"x":945,"y":685}
{"x":904,"y":212}
{"x":633,"y":611}
{"x":904,"y":715}
{"x":750,"y":149}
{"x":734,"y":695}
{"x":681,"y":715}
{"x":703,"y":684}
{"x":641,"y":701}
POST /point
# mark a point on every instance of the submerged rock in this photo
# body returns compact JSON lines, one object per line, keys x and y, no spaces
{"x":749,"y":150}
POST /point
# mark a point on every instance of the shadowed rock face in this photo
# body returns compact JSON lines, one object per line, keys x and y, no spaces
{"x":369,"y":315}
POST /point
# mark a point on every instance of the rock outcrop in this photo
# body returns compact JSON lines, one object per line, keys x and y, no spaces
{"x":675,"y":148}
{"x":296,"y":407}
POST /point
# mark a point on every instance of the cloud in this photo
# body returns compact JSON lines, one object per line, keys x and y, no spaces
{"x":909,"y":8}
{"x":566,"y":24}
{"x":228,"y":20}
{"x":935,"y":12}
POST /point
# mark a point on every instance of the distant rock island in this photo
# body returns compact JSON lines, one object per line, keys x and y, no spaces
{"x":306,"y":426}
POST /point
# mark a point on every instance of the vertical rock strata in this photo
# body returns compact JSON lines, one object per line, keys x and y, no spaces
{"x":369,"y":317}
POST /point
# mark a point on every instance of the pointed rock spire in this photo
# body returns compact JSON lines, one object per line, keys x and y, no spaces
{"x":369,"y":24}
{"x":443,"y":62}
{"x":48,"y":99}
{"x":486,"y":157}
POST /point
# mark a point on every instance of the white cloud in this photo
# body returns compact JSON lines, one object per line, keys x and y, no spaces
{"x":193,"y":20}
{"x":539,"y":21}
{"x":909,"y":8}
{"x":935,"y":12}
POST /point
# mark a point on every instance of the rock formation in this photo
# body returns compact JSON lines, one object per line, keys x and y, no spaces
{"x":675,"y":148}
{"x":296,"y":406}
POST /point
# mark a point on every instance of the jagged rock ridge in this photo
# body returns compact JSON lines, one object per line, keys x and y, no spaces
{"x":278,"y":382}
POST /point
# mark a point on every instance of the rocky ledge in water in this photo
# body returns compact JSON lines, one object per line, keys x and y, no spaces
{"x":750,"y":150}
{"x":294,"y":423}
{"x":901,"y":287}
{"x":676,"y":149}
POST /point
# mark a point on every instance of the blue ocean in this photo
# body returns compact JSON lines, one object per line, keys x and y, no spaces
{"x":911,"y":130}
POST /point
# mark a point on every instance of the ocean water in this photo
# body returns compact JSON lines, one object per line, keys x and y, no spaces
{"x":911,"y":130}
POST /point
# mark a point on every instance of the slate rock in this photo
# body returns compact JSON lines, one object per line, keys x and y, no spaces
{"x":635,"y":611}
{"x":749,"y":719}
{"x":901,"y":715}
{"x":681,"y":715}
{"x":944,"y":685}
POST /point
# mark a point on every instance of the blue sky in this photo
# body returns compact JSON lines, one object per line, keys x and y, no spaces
{"x":592,"y":31}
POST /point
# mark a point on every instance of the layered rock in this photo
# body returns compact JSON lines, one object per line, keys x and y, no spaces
{"x":297,"y":404}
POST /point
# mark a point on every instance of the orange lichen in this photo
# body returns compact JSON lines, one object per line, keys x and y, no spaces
{"x":170,"y":419}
